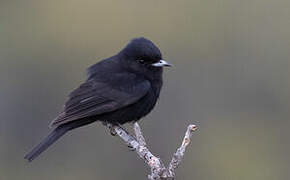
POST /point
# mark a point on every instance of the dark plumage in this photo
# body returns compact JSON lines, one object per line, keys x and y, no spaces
{"x":119,"y":89}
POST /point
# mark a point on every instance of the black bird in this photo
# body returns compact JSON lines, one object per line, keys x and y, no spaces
{"x":119,"y":89}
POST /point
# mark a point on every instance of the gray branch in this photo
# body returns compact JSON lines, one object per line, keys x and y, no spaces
{"x":138,"y":143}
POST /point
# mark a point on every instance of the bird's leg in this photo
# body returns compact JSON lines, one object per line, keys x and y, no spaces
{"x":112,"y":131}
{"x":111,"y":128}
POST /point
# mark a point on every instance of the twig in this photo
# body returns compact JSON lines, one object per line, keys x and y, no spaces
{"x":139,"y":135}
{"x":178,"y":155}
{"x":158,"y":170}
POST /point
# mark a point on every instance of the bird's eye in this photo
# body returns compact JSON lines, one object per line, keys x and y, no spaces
{"x":141,"y":61}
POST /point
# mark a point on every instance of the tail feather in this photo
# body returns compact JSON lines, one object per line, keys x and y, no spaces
{"x":45,"y":143}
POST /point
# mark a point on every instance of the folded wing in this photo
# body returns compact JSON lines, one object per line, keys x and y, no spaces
{"x":97,"y":97}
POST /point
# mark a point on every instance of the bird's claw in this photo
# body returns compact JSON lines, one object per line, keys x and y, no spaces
{"x":112,"y":131}
{"x":111,"y":128}
{"x":131,"y":148}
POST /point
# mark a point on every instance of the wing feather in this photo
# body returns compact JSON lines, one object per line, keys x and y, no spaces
{"x":94,"y":97}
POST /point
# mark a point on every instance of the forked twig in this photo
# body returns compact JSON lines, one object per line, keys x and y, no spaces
{"x":138,"y":143}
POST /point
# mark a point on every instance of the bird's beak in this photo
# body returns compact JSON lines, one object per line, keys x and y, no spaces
{"x":161,"y":63}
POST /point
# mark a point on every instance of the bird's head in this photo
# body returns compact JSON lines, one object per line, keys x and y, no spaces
{"x":142,"y":54}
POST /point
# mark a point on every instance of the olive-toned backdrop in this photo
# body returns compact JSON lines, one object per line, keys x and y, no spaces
{"x":230,"y":77}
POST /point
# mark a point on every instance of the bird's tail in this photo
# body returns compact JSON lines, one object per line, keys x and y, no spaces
{"x":46,"y":142}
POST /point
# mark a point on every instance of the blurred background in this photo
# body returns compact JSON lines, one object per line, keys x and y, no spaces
{"x":230,"y":78}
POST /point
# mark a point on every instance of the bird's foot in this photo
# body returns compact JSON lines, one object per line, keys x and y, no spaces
{"x":131,"y":148}
{"x":113,"y":131}
{"x":111,"y":128}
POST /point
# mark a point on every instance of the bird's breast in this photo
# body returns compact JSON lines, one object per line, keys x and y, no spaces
{"x":136,"y":110}
{"x":147,"y":103}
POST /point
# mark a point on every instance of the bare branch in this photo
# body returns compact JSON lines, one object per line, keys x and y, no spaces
{"x":158,"y":170}
{"x":178,"y":155}
{"x":139,"y":135}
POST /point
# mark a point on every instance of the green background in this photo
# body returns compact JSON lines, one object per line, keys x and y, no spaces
{"x":230,"y":77}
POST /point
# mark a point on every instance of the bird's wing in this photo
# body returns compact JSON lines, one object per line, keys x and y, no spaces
{"x":95,"y":97}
